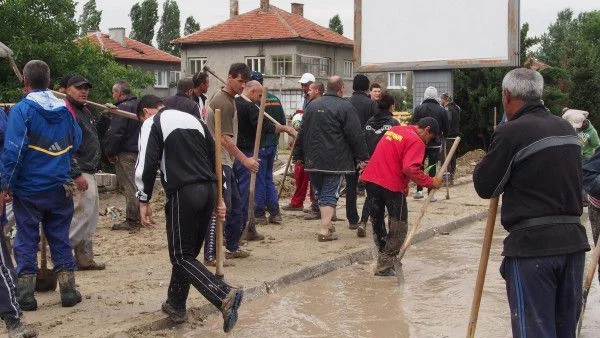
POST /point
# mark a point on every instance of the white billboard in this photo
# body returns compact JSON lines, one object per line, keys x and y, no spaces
{"x":437,"y":34}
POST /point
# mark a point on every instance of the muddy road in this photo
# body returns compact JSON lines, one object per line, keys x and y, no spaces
{"x":433,"y":301}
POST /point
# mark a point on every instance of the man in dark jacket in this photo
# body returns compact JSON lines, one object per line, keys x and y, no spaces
{"x":591,"y":185}
{"x":382,"y":121}
{"x":87,"y":204}
{"x":453,"y":113}
{"x":201,"y":85}
{"x":535,"y":161}
{"x":431,"y":108}
{"x":182,"y":101}
{"x":121,"y":147}
{"x":330,"y":140}
{"x":365,"y":108}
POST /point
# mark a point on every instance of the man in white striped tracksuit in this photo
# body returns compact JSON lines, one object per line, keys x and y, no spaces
{"x":181,"y":144}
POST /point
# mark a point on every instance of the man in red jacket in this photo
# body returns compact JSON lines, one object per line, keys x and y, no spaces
{"x":397,"y":160}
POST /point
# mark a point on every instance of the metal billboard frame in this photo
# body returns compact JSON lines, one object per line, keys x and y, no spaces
{"x":513,"y":59}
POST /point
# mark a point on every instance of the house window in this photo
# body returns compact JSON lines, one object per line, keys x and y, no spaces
{"x":160,"y":79}
{"x":282,"y":65}
{"x":396,"y":80}
{"x":174,"y":77}
{"x":256,"y":64}
{"x":197,"y":64}
{"x":318,"y":66}
{"x":291,"y":100}
{"x":348,"y":68}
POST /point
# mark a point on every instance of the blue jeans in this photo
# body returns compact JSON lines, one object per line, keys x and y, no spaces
{"x":54,"y":210}
{"x":544,"y":294}
{"x":326,"y":188}
{"x":265,"y":194}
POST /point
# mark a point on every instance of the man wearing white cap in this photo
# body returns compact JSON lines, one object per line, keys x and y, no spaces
{"x":585,"y":130}
{"x":305,"y":81}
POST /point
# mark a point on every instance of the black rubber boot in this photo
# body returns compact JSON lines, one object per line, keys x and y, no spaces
{"x":16,"y":329}
{"x":25,"y":292}
{"x":69,"y":296}
{"x":385,"y":265}
{"x":396,"y":237}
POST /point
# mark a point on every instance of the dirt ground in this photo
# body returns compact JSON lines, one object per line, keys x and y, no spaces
{"x":129,"y":292}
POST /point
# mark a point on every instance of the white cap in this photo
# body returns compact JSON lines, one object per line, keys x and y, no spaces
{"x":306,"y":78}
{"x":575,"y":117}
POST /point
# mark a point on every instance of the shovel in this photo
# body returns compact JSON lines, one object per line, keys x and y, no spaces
{"x":46,"y":278}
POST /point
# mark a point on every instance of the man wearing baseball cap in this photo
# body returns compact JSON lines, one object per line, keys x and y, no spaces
{"x":87,"y":205}
{"x":387,"y":185}
{"x":305,"y":81}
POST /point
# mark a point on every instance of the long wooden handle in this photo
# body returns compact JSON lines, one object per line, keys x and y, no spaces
{"x":417,"y":224}
{"x":483,"y":262}
{"x":587,"y":283}
{"x":251,"y":190}
{"x":219,"y":172}
{"x":287,"y":167}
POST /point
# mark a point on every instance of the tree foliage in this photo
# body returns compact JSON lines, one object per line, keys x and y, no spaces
{"x":144,"y":17}
{"x":45,"y":30}
{"x":335,"y":24}
{"x":191,"y":26}
{"x":170,"y":28}
{"x":90,"y":17}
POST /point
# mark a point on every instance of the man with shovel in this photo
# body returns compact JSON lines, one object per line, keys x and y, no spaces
{"x":397,"y":160}
{"x":535,"y":162}
{"x":41,"y":138}
{"x":181,"y":145}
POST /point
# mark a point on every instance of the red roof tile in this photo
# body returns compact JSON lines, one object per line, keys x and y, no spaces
{"x":133,"y":50}
{"x":260,"y":25}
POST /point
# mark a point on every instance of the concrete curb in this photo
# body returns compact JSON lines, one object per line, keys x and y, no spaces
{"x":309,"y":272}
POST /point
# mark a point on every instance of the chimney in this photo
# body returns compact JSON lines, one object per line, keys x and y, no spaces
{"x":117,"y":34}
{"x":264,"y":5}
{"x":234,"y":8}
{"x":298,"y":8}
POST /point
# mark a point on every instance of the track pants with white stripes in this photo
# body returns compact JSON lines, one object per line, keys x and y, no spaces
{"x":8,"y":278}
{"x":188,"y":212}
{"x":544,"y":294}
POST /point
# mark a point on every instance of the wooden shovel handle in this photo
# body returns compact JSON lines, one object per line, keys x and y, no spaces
{"x":483,"y":262}
{"x":219,"y":173}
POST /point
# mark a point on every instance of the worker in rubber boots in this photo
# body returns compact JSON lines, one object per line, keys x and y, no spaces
{"x":181,"y":145}
{"x":9,"y":307}
{"x":36,"y":167}
{"x":534,"y":160}
{"x":397,"y":160}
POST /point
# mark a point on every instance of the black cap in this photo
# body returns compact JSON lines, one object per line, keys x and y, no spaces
{"x":78,"y":80}
{"x":63,"y":83}
{"x":430,"y":122}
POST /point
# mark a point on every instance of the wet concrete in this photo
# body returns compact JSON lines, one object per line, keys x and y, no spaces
{"x":433,"y":301}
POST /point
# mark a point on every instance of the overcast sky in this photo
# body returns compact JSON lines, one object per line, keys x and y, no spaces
{"x":539,"y":13}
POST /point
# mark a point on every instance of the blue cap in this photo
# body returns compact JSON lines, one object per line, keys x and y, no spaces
{"x":257,"y":76}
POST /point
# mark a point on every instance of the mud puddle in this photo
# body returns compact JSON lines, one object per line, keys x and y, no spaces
{"x":433,"y":301}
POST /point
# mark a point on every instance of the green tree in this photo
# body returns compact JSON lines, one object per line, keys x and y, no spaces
{"x":144,"y":17}
{"x":335,"y":24}
{"x":190,"y":26}
{"x":572,"y":45}
{"x":169,"y":27}
{"x":90,"y":18}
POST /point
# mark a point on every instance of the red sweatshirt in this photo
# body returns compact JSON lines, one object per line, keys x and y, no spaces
{"x":397,"y":160}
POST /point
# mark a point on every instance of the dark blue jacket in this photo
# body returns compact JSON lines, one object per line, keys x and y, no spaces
{"x":41,"y":137}
{"x":591,"y":175}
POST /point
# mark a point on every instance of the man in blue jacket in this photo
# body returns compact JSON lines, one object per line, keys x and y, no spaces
{"x":35,"y":168}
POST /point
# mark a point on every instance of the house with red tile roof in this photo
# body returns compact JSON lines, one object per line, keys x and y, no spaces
{"x":282,"y":45}
{"x":132,"y":53}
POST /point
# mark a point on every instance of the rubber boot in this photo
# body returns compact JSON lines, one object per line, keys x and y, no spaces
{"x":385,"y":265}
{"x":16,"y":329}
{"x":69,"y":295}
{"x":396,"y":237}
{"x":25,"y":292}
